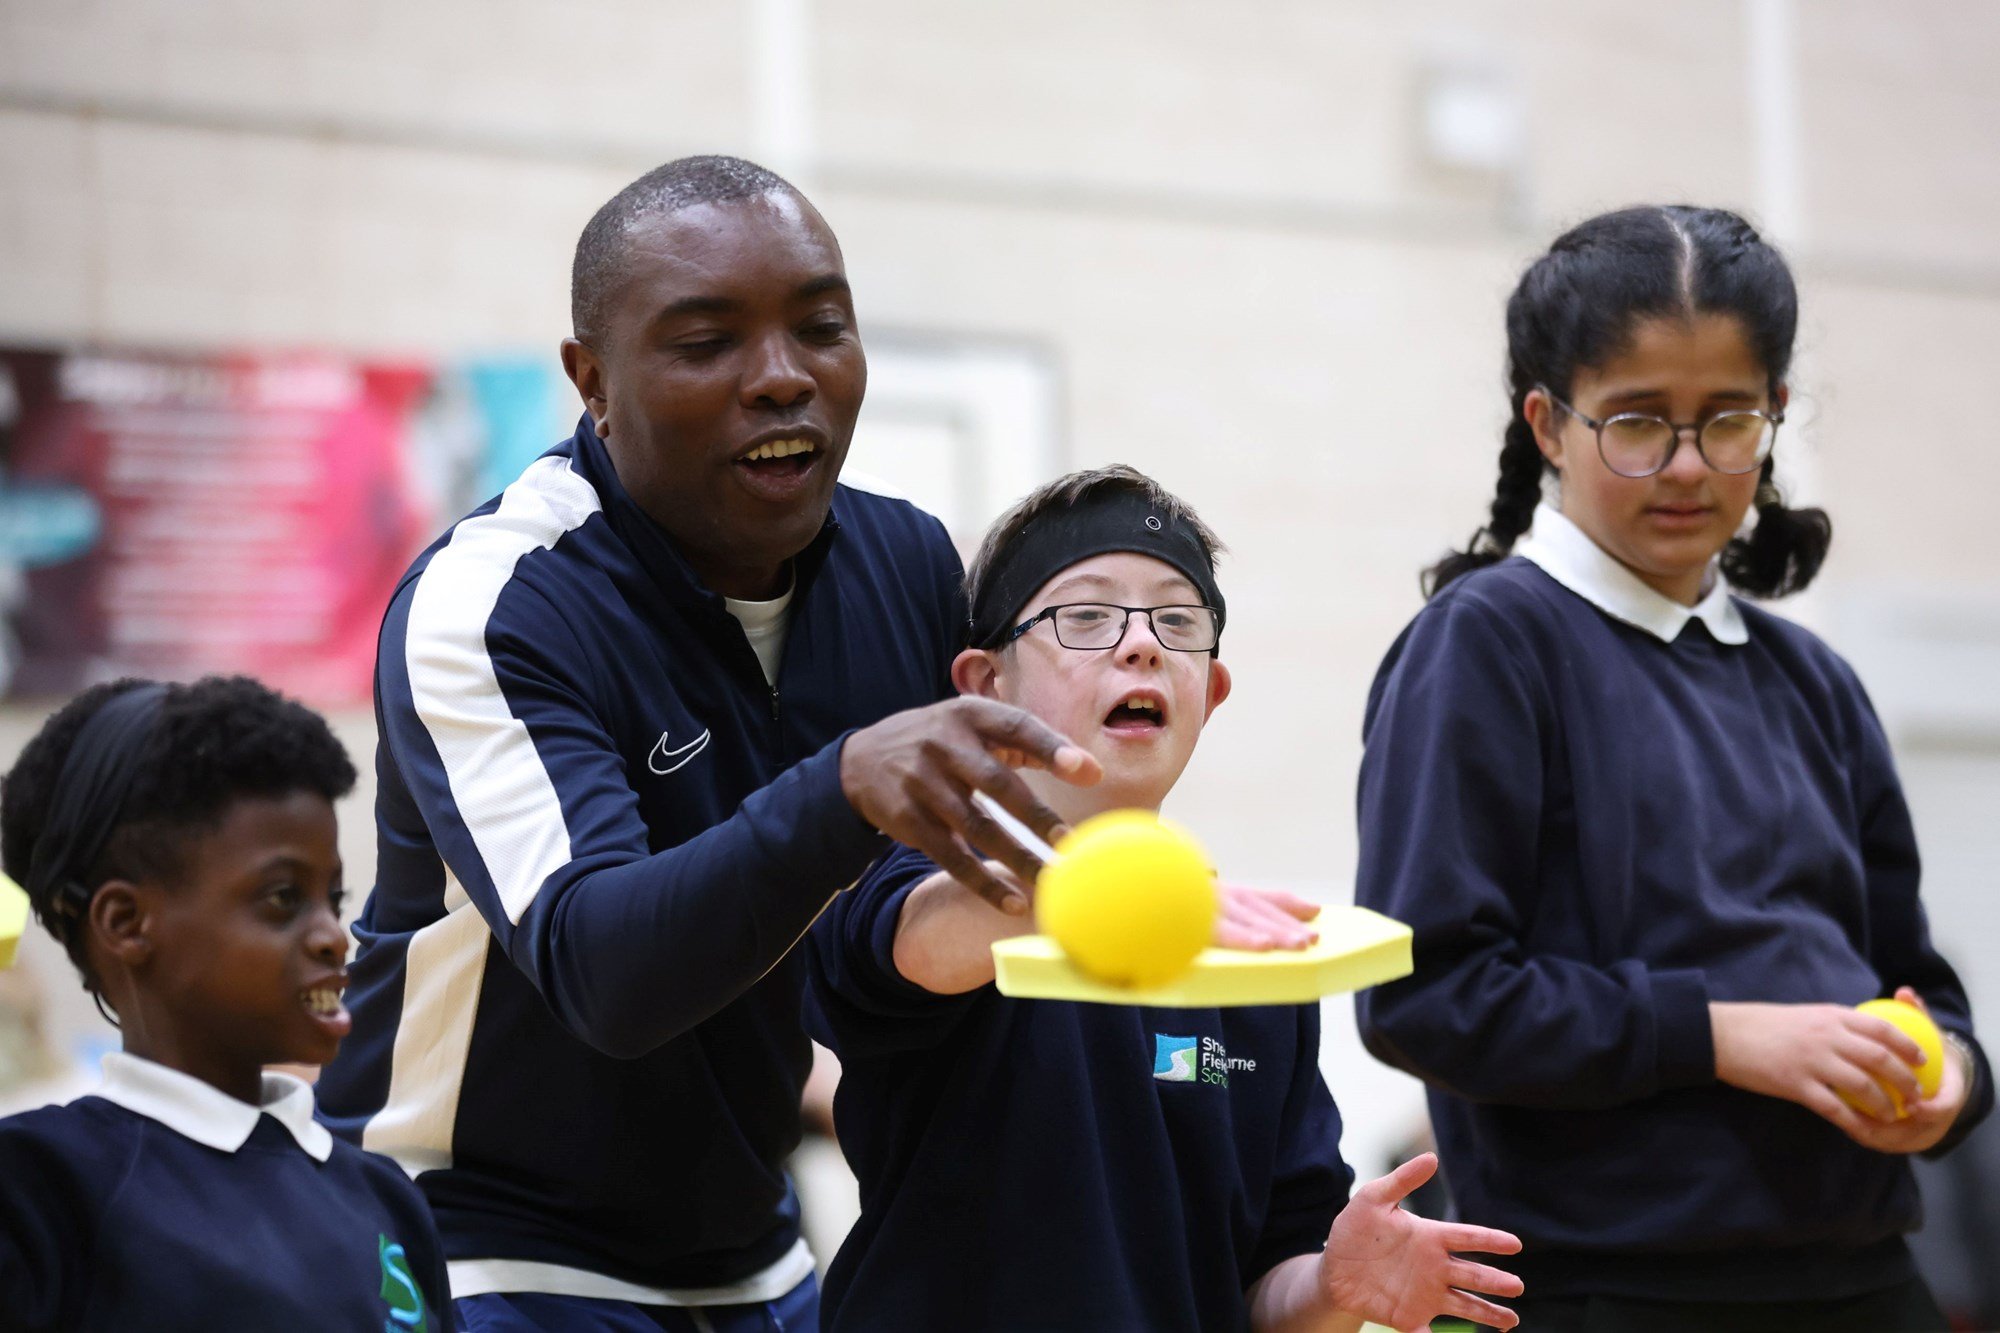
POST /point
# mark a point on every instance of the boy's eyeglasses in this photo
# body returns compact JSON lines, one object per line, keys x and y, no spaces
{"x":1088,"y":626}
{"x":1638,"y":444}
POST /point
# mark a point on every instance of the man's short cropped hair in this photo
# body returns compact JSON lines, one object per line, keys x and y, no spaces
{"x":602,"y":250}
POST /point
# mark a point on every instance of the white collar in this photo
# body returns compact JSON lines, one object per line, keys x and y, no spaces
{"x":209,"y":1116}
{"x":1566,"y":554}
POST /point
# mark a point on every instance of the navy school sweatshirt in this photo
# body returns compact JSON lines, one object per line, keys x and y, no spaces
{"x":1595,"y":833}
{"x":161,"y":1203}
{"x":1043,"y":1165}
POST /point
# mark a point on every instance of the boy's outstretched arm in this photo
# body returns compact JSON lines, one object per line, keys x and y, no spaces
{"x":946,"y":933}
{"x":1387,"y":1265}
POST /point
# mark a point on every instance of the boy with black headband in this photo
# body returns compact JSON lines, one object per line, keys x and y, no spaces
{"x":179,"y":840}
{"x":1035,"y":1164}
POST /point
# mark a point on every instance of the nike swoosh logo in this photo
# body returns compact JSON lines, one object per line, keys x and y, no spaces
{"x":664,"y":761}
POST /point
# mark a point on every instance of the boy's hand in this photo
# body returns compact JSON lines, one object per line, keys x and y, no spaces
{"x":1929,"y":1118}
{"x":1395,"y":1268}
{"x":1813,"y":1053}
{"x":912,"y":776}
{"x":1260,"y":919}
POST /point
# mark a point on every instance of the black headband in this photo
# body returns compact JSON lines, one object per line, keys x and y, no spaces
{"x":88,"y":804}
{"x":1055,"y":539}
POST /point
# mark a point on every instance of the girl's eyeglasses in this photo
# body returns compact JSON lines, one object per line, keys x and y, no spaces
{"x":1638,"y":444}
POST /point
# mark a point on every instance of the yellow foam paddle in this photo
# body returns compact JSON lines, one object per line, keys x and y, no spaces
{"x":1356,"y":949}
{"x":13,"y":918}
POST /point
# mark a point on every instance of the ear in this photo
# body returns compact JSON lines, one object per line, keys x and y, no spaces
{"x":1218,"y":686}
{"x":976,"y":672}
{"x":1783,"y":397}
{"x":121,"y":922}
{"x":586,"y":371}
{"x":1543,"y":418}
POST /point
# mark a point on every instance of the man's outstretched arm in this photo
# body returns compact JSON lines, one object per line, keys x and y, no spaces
{"x":526,"y":797}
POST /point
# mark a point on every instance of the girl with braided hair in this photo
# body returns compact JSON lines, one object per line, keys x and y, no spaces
{"x":1650,"y":836}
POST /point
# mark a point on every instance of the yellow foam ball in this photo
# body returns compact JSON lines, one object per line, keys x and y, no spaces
{"x":1130,"y":898}
{"x":1918,"y":1025}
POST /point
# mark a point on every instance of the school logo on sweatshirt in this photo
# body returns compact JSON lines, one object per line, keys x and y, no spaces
{"x":1173,"y":1058}
{"x":399,"y":1290}
{"x":1195,"y":1060}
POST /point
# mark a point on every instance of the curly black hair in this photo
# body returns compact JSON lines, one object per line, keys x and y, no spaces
{"x":218,"y":741}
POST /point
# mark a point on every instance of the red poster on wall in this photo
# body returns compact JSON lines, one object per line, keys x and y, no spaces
{"x":173,"y":515}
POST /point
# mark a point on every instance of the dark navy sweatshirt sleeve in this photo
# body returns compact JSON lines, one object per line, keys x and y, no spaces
{"x":45,"y":1227}
{"x":488,"y":715}
{"x":1311,"y":1182}
{"x":1898,"y":930}
{"x":857,"y":1004}
{"x":1459,"y":728}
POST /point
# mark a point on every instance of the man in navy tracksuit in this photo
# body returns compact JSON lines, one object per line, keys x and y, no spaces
{"x":642,"y":717}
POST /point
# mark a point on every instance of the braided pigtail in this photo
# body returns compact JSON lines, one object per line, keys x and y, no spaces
{"x":1783,"y":551}
{"x":1514,"y":500}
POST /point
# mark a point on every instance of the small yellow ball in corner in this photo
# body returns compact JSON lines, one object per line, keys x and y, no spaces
{"x":1918,"y":1026}
{"x":1130,"y":898}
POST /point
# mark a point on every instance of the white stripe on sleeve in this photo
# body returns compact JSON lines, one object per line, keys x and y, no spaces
{"x":504,"y":794}
{"x":442,"y":973}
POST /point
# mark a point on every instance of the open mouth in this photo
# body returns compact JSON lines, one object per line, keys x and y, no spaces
{"x":780,"y":460}
{"x":323,"y":1003}
{"x":1140,"y":712}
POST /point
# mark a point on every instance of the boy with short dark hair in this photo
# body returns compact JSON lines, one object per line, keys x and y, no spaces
{"x":1029,"y":1164}
{"x":179,"y":841}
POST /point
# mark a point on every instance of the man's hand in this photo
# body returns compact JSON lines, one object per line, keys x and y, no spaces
{"x":1813,"y":1053}
{"x":1395,"y":1268}
{"x":912,"y":776}
{"x":1260,"y":919}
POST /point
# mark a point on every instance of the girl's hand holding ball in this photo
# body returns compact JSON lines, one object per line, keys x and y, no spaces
{"x":1873,"y":1071}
